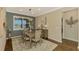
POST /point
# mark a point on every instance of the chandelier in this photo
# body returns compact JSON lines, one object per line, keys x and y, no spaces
{"x":71,"y":21}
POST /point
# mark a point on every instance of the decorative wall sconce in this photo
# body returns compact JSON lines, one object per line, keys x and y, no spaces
{"x":4,"y":24}
{"x":45,"y":22}
{"x":71,"y":21}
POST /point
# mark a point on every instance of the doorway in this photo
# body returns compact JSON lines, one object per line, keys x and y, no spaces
{"x":70,"y":28}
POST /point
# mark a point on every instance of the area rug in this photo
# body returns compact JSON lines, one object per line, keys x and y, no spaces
{"x":19,"y":45}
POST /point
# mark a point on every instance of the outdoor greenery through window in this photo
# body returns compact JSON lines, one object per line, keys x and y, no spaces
{"x":20,"y":23}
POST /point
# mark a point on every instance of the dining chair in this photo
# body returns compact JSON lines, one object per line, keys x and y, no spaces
{"x":24,"y":36}
{"x":37,"y":38}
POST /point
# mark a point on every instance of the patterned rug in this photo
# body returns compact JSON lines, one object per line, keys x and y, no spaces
{"x":20,"y":45}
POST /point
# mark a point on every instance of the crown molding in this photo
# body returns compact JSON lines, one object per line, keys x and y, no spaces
{"x":52,"y":10}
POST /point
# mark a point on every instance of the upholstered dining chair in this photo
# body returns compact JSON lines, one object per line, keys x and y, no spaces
{"x":37,"y":38}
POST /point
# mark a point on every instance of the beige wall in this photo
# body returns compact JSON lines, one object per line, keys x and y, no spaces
{"x":53,"y":23}
{"x":2,"y":30}
{"x":78,"y":28}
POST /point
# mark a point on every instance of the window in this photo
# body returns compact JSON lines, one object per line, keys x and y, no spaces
{"x":20,"y":23}
{"x":23,"y":23}
{"x":17,"y":24}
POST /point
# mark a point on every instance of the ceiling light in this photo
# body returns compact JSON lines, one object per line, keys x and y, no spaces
{"x":30,"y":9}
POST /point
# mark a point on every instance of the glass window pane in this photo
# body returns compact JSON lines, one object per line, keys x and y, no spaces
{"x":24,"y":23}
{"x":17,"y":23}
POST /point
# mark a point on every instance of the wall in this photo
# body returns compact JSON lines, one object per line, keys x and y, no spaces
{"x":53,"y":23}
{"x":2,"y":29}
{"x":9,"y":18}
{"x":78,"y":28}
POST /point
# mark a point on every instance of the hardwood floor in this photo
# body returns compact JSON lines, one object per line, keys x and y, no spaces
{"x":66,"y":45}
{"x":8,"y":46}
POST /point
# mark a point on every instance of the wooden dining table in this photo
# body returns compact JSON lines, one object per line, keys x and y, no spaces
{"x":31,"y":35}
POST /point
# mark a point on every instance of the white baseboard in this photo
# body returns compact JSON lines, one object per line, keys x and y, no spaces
{"x":70,"y":39}
{"x":60,"y":41}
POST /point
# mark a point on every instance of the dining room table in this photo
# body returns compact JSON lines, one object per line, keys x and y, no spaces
{"x":31,"y":35}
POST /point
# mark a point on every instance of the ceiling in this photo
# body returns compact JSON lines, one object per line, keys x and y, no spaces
{"x":31,"y":11}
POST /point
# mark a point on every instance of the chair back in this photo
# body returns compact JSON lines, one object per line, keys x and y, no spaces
{"x":37,"y":35}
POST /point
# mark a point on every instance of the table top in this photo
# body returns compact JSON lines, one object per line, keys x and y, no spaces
{"x":30,"y":34}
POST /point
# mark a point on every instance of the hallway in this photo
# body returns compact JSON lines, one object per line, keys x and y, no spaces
{"x":8,"y":46}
